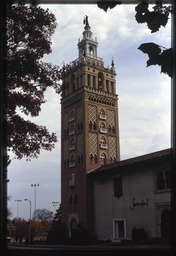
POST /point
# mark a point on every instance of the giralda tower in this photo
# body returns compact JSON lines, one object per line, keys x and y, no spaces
{"x":89,"y":127}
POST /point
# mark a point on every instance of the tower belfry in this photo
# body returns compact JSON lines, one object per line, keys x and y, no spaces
{"x":87,"y":46}
{"x":89,"y":127}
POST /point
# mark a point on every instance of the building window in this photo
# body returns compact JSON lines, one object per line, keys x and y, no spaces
{"x":168,"y":178}
{"x":94,"y":126}
{"x":103,"y":158}
{"x":75,"y":199}
{"x":100,"y":81}
{"x":164,"y":180}
{"x":107,"y":85}
{"x":119,"y":229}
{"x":109,"y":129}
{"x":95,"y":159}
{"x":94,"y":82}
{"x":88,"y":78}
{"x":91,"y":158}
{"x":112,"y":87}
{"x":118,"y":192}
{"x":90,"y":125}
{"x":78,"y":126}
{"x":70,"y":199}
{"x":79,"y":159}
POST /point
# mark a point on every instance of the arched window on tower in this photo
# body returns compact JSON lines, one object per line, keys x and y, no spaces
{"x":95,"y":159}
{"x":88,"y":79}
{"x":90,"y":125}
{"x":91,"y":50}
{"x":107,"y":85}
{"x":112,"y":87}
{"x":103,"y":158}
{"x":70,"y":199}
{"x":103,"y":140}
{"x":109,"y":129}
{"x":91,"y":158}
{"x":100,"y":81}
{"x":94,"y":126}
{"x":75,"y":199}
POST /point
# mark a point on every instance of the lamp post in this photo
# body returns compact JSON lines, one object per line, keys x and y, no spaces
{"x":54,"y":205}
{"x":35,"y":185}
{"x":18,"y":201}
{"x":29,"y":219}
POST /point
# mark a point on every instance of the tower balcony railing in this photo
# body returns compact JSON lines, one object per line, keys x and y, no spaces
{"x":71,"y":132}
{"x":85,"y":58}
{"x":103,"y":130}
{"x":71,"y":119}
{"x":71,"y":147}
{"x":72,"y":164}
{"x":103,"y":117}
{"x":103,"y":146}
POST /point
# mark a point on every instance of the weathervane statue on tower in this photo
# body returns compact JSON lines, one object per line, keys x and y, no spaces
{"x":86,"y":20}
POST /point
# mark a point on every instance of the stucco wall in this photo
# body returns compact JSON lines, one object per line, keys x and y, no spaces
{"x":137,"y":186}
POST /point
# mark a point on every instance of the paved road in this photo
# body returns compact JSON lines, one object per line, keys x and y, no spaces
{"x":92,"y":250}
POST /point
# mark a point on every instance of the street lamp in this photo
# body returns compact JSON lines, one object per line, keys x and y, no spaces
{"x":29,"y":219}
{"x":18,"y":201}
{"x":54,"y":205}
{"x":35,"y":185}
{"x":30,"y":206}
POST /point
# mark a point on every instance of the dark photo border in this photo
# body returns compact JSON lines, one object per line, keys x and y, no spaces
{"x":3,"y":171}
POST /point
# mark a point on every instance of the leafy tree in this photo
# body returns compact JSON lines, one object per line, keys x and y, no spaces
{"x":29,"y":31}
{"x":158,"y":55}
{"x":57,"y":232}
{"x":43,"y":215}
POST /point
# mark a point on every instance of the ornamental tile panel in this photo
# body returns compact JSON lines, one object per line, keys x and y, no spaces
{"x":93,"y":148}
{"x":92,"y":112}
{"x":80,"y":114}
{"x":80,"y":144}
{"x":66,"y":149}
{"x":66,"y":120}
{"x":111,"y":118}
{"x":112,"y":146}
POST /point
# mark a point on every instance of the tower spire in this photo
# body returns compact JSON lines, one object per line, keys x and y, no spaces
{"x":87,"y":46}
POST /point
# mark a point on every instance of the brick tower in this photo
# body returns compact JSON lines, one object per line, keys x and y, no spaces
{"x":89,"y":126}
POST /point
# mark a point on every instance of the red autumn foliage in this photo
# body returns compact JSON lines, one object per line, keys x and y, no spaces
{"x":29,"y":31}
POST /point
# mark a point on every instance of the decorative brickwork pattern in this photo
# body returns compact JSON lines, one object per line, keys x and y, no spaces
{"x":93,"y":148}
{"x":66,"y":149}
{"x":80,"y":144}
{"x":92,"y":113}
{"x":111,"y":118}
{"x":80,"y":114}
{"x":112,"y":147}
{"x":66,"y":122}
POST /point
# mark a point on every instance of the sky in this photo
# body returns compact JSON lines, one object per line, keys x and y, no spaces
{"x":144,"y":98}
